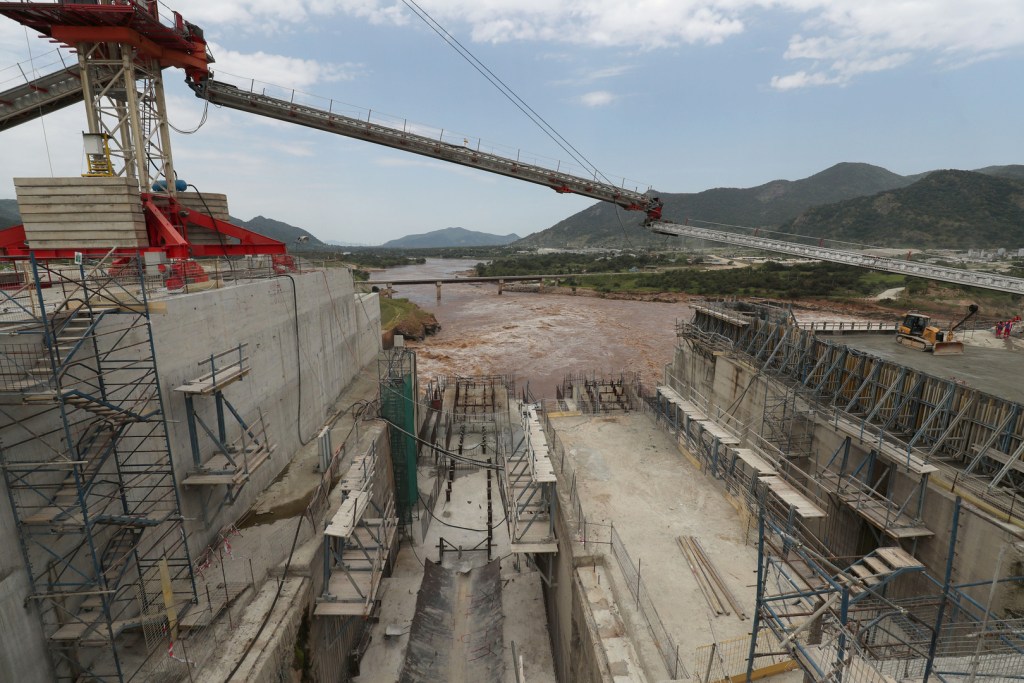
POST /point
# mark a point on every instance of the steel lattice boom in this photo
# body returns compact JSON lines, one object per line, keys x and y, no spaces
{"x":967,"y":278}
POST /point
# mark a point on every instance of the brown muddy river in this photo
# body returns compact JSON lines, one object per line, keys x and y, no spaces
{"x":539,"y":338}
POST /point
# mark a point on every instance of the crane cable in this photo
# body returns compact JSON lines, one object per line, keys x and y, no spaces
{"x":42,"y":122}
{"x":504,"y":89}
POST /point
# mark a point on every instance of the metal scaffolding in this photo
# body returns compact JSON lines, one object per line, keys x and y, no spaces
{"x":238,"y":452}
{"x":87,"y":464}
{"x":916,"y":422}
{"x":851,"y":621}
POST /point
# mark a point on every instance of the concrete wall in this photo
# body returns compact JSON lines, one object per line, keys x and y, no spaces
{"x":338,"y":335}
{"x":22,"y":648}
{"x":294,"y":385}
{"x":576,"y":646}
{"x":733,"y":385}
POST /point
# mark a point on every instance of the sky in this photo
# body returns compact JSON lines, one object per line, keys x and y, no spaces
{"x":677,"y":95}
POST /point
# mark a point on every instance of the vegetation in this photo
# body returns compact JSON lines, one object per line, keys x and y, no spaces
{"x":856,"y":202}
{"x":566,"y":263}
{"x":774,"y":280}
{"x":392,"y":311}
{"x":406,"y":318}
{"x":946,"y":209}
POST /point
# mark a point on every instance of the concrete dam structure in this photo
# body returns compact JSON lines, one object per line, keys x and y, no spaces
{"x":231,"y":481}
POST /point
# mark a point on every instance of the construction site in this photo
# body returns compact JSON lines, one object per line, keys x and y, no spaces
{"x":213,"y":471}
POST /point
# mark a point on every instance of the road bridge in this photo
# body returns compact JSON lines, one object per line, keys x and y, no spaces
{"x":500,"y":280}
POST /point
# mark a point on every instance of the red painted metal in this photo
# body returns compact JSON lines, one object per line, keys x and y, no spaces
{"x":136,"y":23}
{"x":124,"y":21}
{"x":167,"y":226}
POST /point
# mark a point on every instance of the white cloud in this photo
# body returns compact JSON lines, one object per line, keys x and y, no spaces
{"x":597,"y":98}
{"x":280,"y":69}
{"x":844,"y":38}
{"x":801,"y":79}
{"x":594,"y":75}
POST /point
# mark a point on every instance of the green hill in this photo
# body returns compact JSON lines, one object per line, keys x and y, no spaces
{"x":451,"y":237}
{"x":768,"y":204}
{"x":945,"y":209}
{"x":278,"y":230}
{"x":9,"y":213}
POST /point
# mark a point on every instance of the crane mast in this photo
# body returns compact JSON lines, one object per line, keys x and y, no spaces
{"x":123,"y":46}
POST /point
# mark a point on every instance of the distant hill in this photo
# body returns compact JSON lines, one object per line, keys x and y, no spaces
{"x":278,"y":230}
{"x":775,"y":203}
{"x":769,"y":204}
{"x":1014,"y":171}
{"x":9,"y":213}
{"x":946,"y":209}
{"x":451,"y":237}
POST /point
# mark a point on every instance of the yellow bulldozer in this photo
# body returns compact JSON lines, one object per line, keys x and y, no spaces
{"x":916,"y":333}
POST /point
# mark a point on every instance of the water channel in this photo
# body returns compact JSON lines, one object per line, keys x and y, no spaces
{"x":537,"y":337}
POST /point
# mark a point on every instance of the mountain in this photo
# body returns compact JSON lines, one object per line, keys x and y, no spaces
{"x":451,"y":237}
{"x":604,"y":225}
{"x":9,"y":213}
{"x":1014,"y":171}
{"x":278,"y":230}
{"x":945,"y":209}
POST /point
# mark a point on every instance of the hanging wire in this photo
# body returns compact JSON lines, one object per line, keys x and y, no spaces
{"x":42,"y":119}
{"x":504,"y":89}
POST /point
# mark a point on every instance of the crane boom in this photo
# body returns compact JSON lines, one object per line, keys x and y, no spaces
{"x":960,"y":276}
{"x":229,"y":96}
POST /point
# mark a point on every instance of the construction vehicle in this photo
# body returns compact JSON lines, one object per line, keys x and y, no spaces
{"x":916,"y":333}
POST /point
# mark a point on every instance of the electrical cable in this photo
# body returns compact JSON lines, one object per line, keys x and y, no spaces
{"x":220,"y":235}
{"x":202,"y":119}
{"x":298,"y":360}
{"x":273,"y":604}
{"x":42,"y":119}
{"x":450,"y":454}
{"x":456,"y":526}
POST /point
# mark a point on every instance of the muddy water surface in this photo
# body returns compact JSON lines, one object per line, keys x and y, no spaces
{"x":537,"y":337}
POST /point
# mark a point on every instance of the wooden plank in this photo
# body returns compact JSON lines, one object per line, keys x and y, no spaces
{"x":877,"y":565}
{"x":535,"y":547}
{"x":723,"y":436}
{"x":72,"y":181}
{"x":864,"y":573}
{"x":205,"y":384}
{"x":898,"y":558}
{"x":117,"y":205}
{"x":1000,"y":456}
{"x":348,"y":515}
{"x":756,"y":462}
{"x":912,"y":463}
{"x":804,"y":507}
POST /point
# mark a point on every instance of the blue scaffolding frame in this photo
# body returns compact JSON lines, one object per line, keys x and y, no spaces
{"x":87,"y":465}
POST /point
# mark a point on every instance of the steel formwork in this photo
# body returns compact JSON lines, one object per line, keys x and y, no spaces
{"x":973,"y":439}
{"x":87,"y":466}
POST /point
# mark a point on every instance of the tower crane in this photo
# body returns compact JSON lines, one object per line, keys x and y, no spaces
{"x":123,"y":46}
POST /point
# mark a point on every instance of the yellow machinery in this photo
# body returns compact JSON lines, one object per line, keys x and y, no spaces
{"x":916,"y":333}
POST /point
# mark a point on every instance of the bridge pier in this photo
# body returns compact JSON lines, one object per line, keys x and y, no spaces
{"x":438,"y":285}
{"x":501,"y":286}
